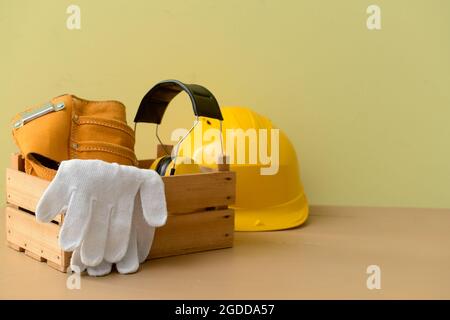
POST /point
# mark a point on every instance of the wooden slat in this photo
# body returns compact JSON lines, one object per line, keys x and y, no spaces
{"x":59,"y":267}
{"x":191,"y":192}
{"x":17,"y":162}
{"x":145,"y":164}
{"x":24,"y":190}
{"x":223,"y":163}
{"x":190,"y":228}
{"x":200,"y":231}
{"x":194,"y":232}
{"x":15,"y":247}
{"x":39,"y":240}
{"x":184,"y":193}
{"x":34,"y":256}
{"x":161,"y":150}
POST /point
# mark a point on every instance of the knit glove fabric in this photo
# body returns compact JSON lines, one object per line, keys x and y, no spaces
{"x":141,"y":238}
{"x":98,"y":200}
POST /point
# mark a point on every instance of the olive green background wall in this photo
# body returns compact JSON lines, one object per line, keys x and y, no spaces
{"x":368,"y":111}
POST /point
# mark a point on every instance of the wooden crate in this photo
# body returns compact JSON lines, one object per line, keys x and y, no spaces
{"x":198,"y":215}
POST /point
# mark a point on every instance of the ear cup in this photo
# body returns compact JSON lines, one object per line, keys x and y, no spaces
{"x":160,"y":165}
{"x":164,"y":166}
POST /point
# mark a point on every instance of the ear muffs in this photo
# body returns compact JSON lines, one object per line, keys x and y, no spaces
{"x":153,"y":107}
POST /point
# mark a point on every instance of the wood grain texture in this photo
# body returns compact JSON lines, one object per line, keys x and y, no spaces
{"x":24,"y":190}
{"x":184,"y":193}
{"x":39,"y":240}
{"x":182,"y":234}
{"x":17,"y":162}
{"x":194,"y":232}
{"x":15,"y":246}
{"x":199,"y":218}
{"x":161,"y":150}
{"x":194,"y":192}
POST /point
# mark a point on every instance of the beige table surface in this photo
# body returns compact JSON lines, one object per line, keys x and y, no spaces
{"x":327,"y":258}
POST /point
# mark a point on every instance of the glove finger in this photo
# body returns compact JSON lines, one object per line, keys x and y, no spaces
{"x":53,"y":202}
{"x":130,"y":262}
{"x":75,"y":261}
{"x":144,"y":233}
{"x":94,"y":242}
{"x":102,"y":269}
{"x":144,"y":241}
{"x":153,"y":199}
{"x":119,"y":231}
{"x":75,"y":223}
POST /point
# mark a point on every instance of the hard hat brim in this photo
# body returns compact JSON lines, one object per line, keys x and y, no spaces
{"x":285,"y":216}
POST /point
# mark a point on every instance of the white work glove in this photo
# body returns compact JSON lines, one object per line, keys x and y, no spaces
{"x":98,"y":201}
{"x":141,"y":238}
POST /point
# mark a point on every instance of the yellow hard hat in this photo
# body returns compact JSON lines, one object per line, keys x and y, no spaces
{"x":263,"y":202}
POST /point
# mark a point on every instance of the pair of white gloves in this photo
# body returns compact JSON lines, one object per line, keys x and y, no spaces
{"x":111,"y":212}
